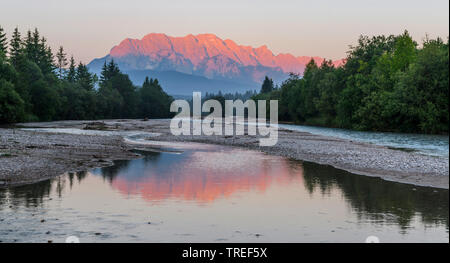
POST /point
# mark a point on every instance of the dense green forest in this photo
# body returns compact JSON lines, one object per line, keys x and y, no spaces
{"x":388,"y":83}
{"x":36,"y":85}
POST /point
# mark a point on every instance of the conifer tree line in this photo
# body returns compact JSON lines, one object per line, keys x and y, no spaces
{"x":388,"y":83}
{"x":230,"y":96}
{"x":38,"y":85}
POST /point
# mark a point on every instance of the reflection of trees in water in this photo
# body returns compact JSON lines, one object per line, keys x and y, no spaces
{"x":376,"y":199}
{"x":26,"y":195}
{"x":79,"y":176}
{"x":33,"y":195}
{"x":109,"y":173}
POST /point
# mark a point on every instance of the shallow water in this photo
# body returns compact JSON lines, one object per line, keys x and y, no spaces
{"x":204,"y":193}
{"x":436,"y":145}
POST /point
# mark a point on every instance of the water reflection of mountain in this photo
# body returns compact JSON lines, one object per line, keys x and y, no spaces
{"x":376,"y":199}
{"x":201,"y":176}
{"x":134,"y":170}
{"x":195,"y":176}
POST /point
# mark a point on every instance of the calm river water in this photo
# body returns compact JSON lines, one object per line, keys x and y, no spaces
{"x":202,"y":193}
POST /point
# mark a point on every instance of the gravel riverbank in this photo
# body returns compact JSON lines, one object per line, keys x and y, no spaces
{"x":28,"y":156}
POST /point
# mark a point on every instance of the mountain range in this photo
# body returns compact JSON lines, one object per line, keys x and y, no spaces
{"x":202,"y":62}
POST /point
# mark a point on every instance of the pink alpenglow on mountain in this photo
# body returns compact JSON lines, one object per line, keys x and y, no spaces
{"x":208,"y":56}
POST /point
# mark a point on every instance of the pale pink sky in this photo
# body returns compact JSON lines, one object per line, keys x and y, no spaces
{"x":89,"y":29}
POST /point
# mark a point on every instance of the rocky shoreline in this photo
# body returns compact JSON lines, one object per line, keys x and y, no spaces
{"x":29,"y":156}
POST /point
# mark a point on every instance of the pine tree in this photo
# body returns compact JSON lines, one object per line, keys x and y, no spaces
{"x":71,"y":73}
{"x":29,"y":47}
{"x":36,"y":47}
{"x":45,"y":59}
{"x":113,"y":68}
{"x":146,"y":82}
{"x":3,"y":42}
{"x":103,"y":73}
{"x":61,"y":62}
{"x":267,"y":85}
{"x":84,"y":78}
{"x":15,"y":47}
{"x":109,"y":70}
{"x":37,"y":51}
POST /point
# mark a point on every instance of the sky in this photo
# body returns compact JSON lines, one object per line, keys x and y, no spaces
{"x":88,"y":29}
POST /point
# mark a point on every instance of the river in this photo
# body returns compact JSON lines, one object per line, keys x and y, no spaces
{"x":188,"y":192}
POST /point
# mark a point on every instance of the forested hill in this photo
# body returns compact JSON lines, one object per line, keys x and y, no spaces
{"x":35,"y":85}
{"x":388,"y":83}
